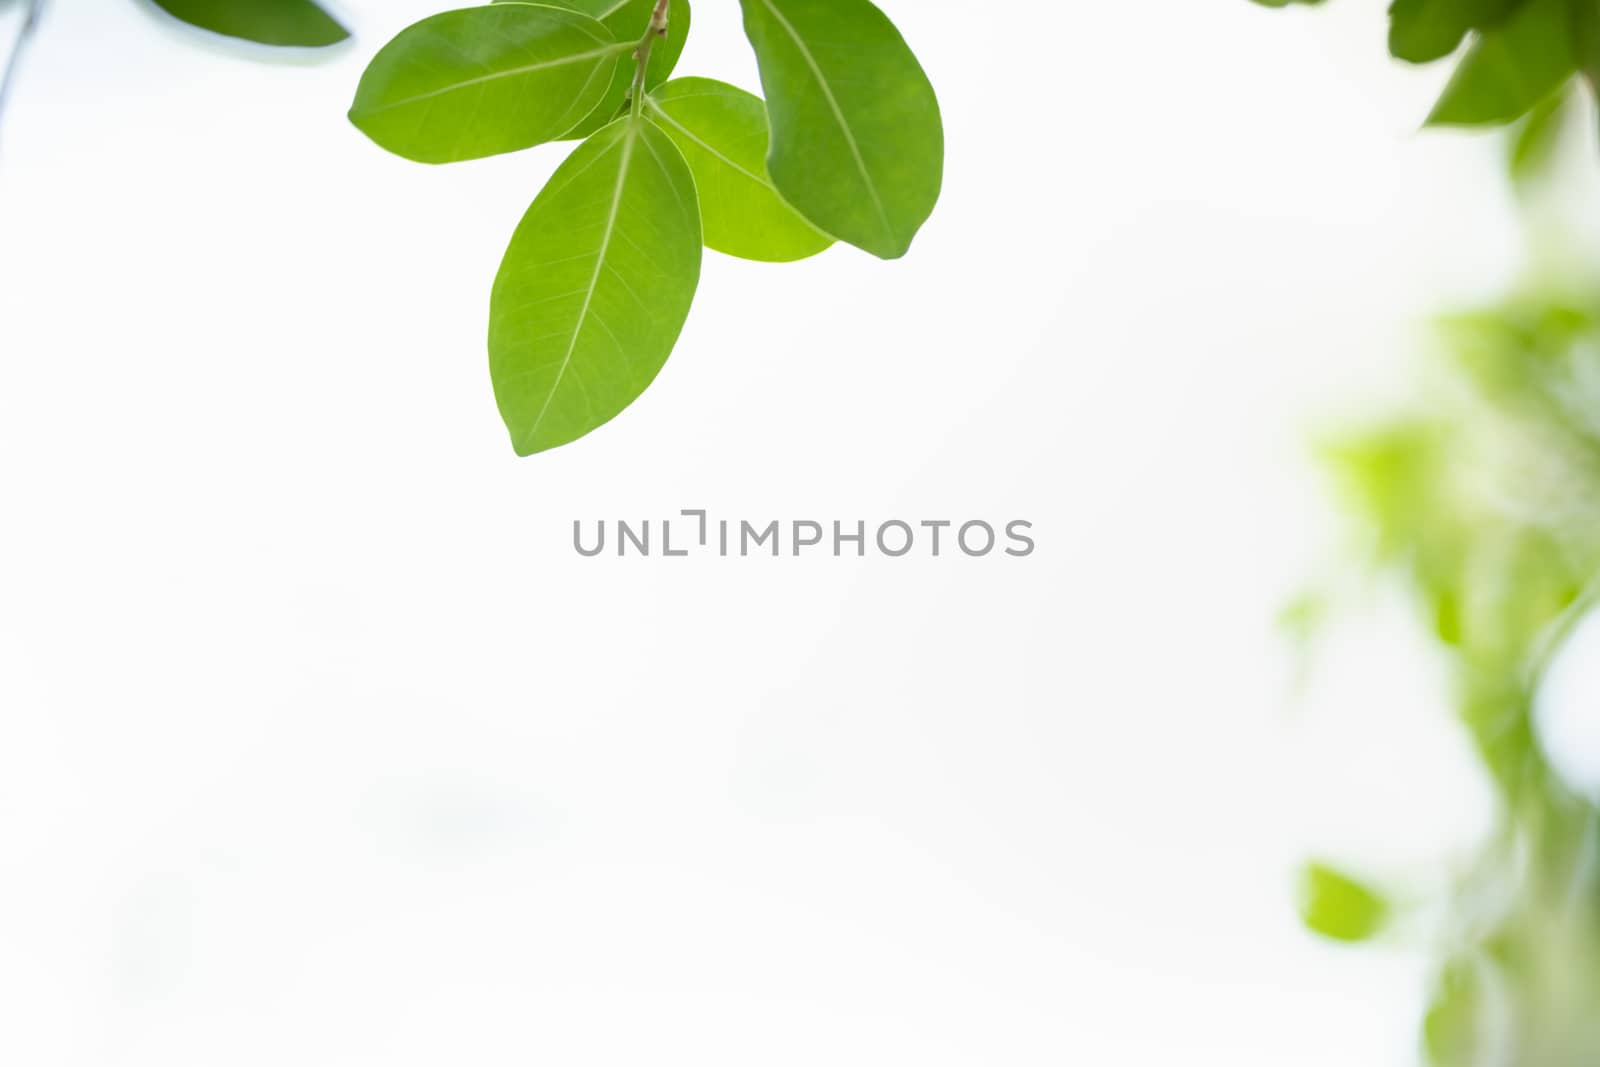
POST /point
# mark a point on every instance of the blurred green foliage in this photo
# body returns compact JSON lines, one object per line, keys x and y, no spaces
{"x":1485,"y":506}
{"x":1519,"y":54}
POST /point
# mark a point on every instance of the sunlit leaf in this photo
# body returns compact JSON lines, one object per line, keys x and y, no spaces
{"x":1338,"y":907}
{"x":595,"y":286}
{"x":722,"y":132}
{"x":627,"y":20}
{"x":857,"y":140}
{"x":286,"y":23}
{"x":1512,"y":68}
{"x":485,"y":80}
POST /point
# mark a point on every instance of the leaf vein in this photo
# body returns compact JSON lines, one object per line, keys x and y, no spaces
{"x":838,"y":114}
{"x":532,"y":68}
{"x":594,"y":279}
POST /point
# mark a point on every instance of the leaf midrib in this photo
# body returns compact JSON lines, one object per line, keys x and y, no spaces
{"x":594,"y":279}
{"x":531,"y":68}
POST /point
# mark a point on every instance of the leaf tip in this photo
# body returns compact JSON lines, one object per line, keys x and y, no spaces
{"x":893,"y":249}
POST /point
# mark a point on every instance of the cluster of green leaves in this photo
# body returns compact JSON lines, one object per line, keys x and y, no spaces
{"x":1486,"y":508}
{"x":283,"y":23}
{"x":1519,"y":54}
{"x":596,"y":284}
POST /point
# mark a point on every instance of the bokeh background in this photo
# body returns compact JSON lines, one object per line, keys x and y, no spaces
{"x":318,"y":743}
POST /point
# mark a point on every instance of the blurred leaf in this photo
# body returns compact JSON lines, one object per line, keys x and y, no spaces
{"x":627,"y":20}
{"x":1390,"y":476}
{"x":1302,"y":618}
{"x":595,"y":286}
{"x":1512,"y":68}
{"x":286,"y":23}
{"x":1421,"y":31}
{"x":1535,"y":141}
{"x":1451,"y":1030}
{"x":857,"y":139}
{"x":722,"y":132}
{"x":485,"y":80}
{"x":1338,"y":907}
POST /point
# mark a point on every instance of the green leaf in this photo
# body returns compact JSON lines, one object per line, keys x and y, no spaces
{"x":1338,"y":907}
{"x":286,"y":23}
{"x":722,"y":132}
{"x":595,"y":287}
{"x":627,"y":20}
{"x":857,"y":142}
{"x":1512,"y":68}
{"x":485,"y":80}
{"x":1586,"y":35}
{"x":1421,"y":31}
{"x":1536,"y":140}
{"x":1285,"y":3}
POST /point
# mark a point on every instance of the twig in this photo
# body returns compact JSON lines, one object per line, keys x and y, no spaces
{"x":656,"y":29}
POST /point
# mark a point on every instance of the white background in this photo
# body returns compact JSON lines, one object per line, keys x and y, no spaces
{"x":318,"y":744}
